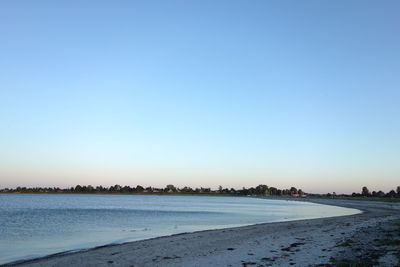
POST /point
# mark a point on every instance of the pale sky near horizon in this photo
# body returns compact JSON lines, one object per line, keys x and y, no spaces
{"x":201,"y":93}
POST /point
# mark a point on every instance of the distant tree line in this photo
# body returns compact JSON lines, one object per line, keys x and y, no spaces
{"x":366,"y":193}
{"x":261,"y":189}
{"x":118,"y":189}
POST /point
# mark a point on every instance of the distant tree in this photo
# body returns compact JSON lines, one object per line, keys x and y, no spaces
{"x":139,"y":188}
{"x":100,"y":189}
{"x":117,"y":188}
{"x":365,"y":191}
{"x":251,"y":191}
{"x":261,"y":189}
{"x":205,"y":190}
{"x":398,"y":190}
{"x":126,"y":189}
{"x":392,"y":193}
{"x":78,"y":188}
{"x":187,"y":189}
{"x":380,"y":193}
{"x":170,"y":188}
{"x":149,"y":189}
{"x":293,"y":190}
{"x":273,"y":191}
{"x":286,"y":192}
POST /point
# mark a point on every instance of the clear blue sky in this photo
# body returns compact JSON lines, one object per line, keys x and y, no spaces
{"x":200,"y":93}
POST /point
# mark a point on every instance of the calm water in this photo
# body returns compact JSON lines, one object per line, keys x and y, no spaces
{"x":37,"y":225}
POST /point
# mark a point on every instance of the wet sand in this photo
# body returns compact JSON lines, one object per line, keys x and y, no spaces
{"x":300,"y":243}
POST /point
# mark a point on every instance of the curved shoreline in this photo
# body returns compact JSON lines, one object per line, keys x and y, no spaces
{"x":318,"y":211}
{"x":260,"y":243}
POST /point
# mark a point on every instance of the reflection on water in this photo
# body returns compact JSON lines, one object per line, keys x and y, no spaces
{"x":37,"y":225}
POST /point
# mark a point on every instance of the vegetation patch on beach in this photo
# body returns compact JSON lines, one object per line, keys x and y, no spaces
{"x":373,"y":246}
{"x":346,"y":243}
{"x":352,"y":262}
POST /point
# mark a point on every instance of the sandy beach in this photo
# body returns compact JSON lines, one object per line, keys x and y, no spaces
{"x":356,"y":238}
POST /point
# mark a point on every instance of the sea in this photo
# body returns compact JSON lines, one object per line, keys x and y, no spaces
{"x":35,"y":225}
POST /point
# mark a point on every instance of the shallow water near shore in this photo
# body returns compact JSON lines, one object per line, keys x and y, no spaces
{"x":38,"y":225}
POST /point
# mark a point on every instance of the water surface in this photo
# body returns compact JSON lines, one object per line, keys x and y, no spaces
{"x":41,"y":224}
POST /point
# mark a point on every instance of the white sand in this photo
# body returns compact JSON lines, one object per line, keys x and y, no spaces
{"x":299,"y":243}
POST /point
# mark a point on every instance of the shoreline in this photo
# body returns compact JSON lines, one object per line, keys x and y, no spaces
{"x":265,"y":244}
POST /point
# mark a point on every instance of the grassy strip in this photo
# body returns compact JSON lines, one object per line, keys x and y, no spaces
{"x":382,"y":199}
